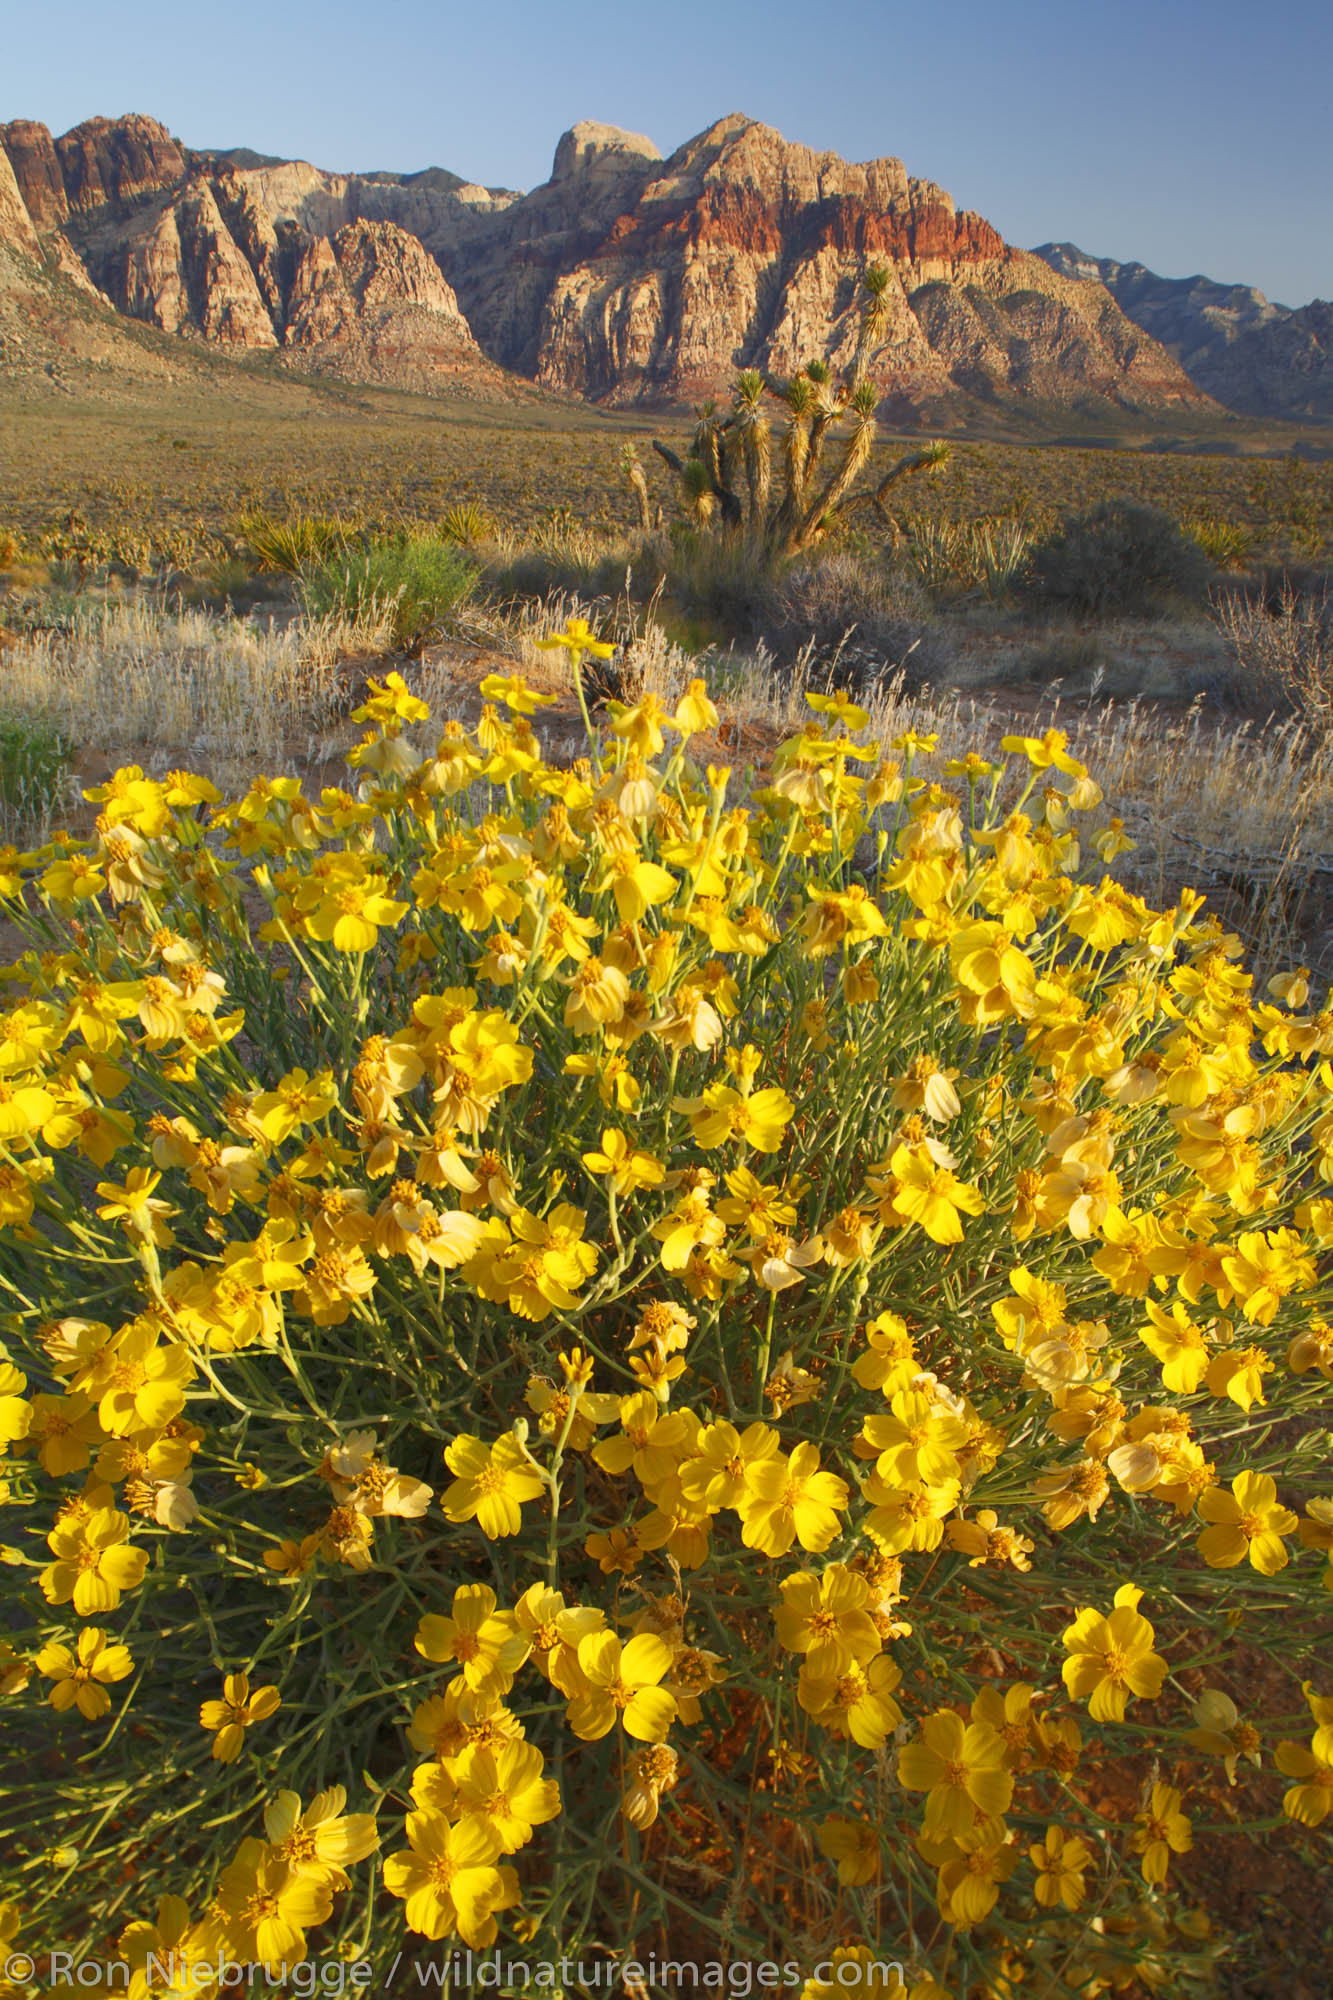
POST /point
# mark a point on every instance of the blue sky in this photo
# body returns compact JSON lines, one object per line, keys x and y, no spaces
{"x":1192,"y":137}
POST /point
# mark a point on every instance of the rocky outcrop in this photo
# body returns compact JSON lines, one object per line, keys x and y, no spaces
{"x":1255,"y":356}
{"x":32,"y":155}
{"x":370,"y":305}
{"x":65,"y":259}
{"x":117,"y":160}
{"x":220,"y":256}
{"x":181,"y":270}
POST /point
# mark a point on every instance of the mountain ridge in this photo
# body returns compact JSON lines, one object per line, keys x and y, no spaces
{"x":623,"y":279}
{"x":1253,"y":355}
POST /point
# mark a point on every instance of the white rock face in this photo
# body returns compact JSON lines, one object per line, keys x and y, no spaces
{"x":592,"y":148}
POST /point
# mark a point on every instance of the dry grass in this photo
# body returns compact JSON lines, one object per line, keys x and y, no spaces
{"x":133,"y":675}
{"x":1288,"y":649}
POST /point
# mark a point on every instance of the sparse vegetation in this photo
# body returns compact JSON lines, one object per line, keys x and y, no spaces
{"x":138,"y":677}
{"x":90,"y":481}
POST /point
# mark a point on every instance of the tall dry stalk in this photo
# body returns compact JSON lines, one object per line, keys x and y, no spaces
{"x":1287,"y":652}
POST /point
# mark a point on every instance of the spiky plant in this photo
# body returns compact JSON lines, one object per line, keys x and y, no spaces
{"x":727,"y":480}
{"x":466,"y":523}
{"x":800,"y":397}
{"x":876,"y":293}
{"x":697,"y":487}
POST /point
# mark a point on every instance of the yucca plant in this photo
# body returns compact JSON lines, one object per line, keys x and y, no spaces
{"x":1226,"y":544}
{"x":727,"y":478}
{"x":1001,"y":549}
{"x":466,"y":523}
{"x":934,"y":549}
{"x":293,"y":544}
{"x":633,"y":470}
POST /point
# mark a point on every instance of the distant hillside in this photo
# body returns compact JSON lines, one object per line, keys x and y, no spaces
{"x":1256,"y":357}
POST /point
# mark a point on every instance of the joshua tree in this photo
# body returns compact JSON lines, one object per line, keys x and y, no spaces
{"x":727,"y":481}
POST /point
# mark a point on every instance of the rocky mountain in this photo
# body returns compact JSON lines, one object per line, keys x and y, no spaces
{"x":628,"y":278}
{"x":624,"y":278}
{"x":1261,"y":359}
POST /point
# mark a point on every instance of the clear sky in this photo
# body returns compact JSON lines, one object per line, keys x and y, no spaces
{"x":1189,"y":136}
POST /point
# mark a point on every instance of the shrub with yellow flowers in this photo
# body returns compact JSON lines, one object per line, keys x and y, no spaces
{"x":600,"y":1360}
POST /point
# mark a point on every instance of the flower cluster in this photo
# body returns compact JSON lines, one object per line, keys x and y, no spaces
{"x":758,"y":1357}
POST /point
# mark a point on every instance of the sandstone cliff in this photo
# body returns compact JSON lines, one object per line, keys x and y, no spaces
{"x":627,"y":278}
{"x":16,"y":230}
{"x":117,"y":160}
{"x":1255,"y":356}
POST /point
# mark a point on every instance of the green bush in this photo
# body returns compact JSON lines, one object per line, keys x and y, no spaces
{"x":1119,"y":558}
{"x":420,"y":578}
{"x":34,"y":766}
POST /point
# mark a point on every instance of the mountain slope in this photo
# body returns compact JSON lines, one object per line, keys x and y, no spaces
{"x":1257,"y":357}
{"x":624,"y":278}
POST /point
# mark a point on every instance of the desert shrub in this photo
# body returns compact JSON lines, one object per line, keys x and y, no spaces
{"x":561,"y":559}
{"x":1120,"y":558}
{"x":35,"y":761}
{"x":294,"y":544}
{"x":828,"y":600}
{"x":1065,"y":656}
{"x":420,"y":579}
{"x":539,"y":575}
{"x":618,"y":1374}
{"x":726,"y":581}
{"x":1286,"y":650}
{"x":233,"y":578}
{"x":1271,"y":584}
